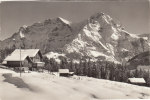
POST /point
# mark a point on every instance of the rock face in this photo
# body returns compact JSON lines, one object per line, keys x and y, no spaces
{"x":98,"y":37}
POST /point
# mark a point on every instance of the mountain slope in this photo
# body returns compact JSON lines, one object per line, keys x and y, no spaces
{"x":101,"y":36}
{"x":142,"y":59}
{"x":47,"y":35}
{"x":98,"y":37}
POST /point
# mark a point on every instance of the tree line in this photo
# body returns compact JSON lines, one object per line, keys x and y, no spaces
{"x":99,"y":69}
{"x":5,"y":52}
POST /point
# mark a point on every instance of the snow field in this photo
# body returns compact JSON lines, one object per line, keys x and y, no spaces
{"x":50,"y":87}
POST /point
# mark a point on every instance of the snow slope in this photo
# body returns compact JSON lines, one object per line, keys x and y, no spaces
{"x":44,"y":86}
{"x":64,"y":20}
{"x":54,"y":55}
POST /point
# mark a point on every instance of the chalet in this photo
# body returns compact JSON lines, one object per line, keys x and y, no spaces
{"x":14,"y":60}
{"x":65,"y":72}
{"x":137,"y":81}
{"x":29,"y":58}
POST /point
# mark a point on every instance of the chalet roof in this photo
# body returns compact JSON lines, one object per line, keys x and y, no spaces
{"x":136,"y":80}
{"x":63,"y":70}
{"x":16,"y":57}
{"x":25,"y":53}
{"x":29,"y":52}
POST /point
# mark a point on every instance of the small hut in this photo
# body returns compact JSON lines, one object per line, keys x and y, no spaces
{"x":64,"y":72}
{"x":137,"y":81}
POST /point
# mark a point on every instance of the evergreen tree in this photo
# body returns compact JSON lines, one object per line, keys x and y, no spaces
{"x":85,"y":67}
{"x":47,"y":63}
{"x":63,"y":63}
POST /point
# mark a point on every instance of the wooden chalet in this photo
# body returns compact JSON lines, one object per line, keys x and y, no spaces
{"x":14,"y":60}
{"x":31,"y":58}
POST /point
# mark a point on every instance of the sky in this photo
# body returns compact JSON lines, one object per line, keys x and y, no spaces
{"x":132,"y":14}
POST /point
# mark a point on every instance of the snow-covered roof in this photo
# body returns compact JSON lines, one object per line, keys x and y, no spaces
{"x":136,"y":80}
{"x":29,"y":52}
{"x":16,"y":57}
{"x":63,"y":70}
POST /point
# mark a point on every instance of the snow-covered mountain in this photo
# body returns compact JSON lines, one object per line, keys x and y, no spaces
{"x":98,"y":37}
{"x":102,"y":38}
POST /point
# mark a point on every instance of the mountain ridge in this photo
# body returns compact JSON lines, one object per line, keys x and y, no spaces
{"x":97,"y":37}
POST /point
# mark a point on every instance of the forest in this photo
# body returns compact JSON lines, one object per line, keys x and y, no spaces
{"x":99,"y":69}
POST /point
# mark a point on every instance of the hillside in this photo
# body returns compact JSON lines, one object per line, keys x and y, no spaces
{"x":44,"y":86}
{"x":97,"y":37}
{"x":142,"y":59}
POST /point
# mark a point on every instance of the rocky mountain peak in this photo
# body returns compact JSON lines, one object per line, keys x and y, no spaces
{"x":98,"y":37}
{"x":98,"y":15}
{"x":102,"y":18}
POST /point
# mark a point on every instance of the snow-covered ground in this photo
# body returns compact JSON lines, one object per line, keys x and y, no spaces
{"x":46,"y":86}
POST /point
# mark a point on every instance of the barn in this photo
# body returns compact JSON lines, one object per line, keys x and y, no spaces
{"x":137,"y":81}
